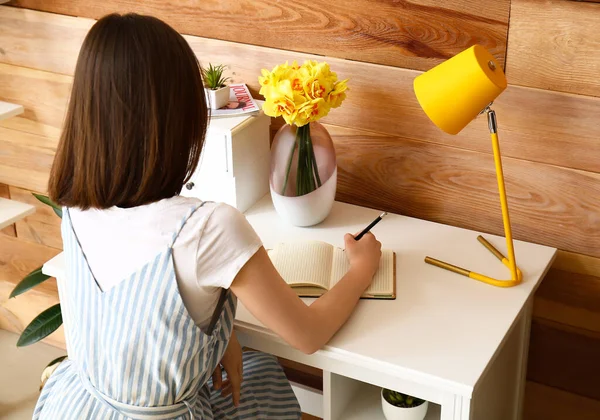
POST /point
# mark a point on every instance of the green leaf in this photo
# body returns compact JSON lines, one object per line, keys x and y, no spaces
{"x":213,"y":76}
{"x":57,"y":211}
{"x":42,"y":326}
{"x":30,"y":281}
{"x":57,"y":360}
{"x":399,"y":399}
{"x":44,"y":199}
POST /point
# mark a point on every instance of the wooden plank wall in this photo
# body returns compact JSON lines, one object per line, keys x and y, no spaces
{"x":389,"y":155}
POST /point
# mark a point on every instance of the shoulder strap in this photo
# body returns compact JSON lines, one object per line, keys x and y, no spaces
{"x":183,"y":221}
{"x":70,"y":221}
{"x":217,"y":312}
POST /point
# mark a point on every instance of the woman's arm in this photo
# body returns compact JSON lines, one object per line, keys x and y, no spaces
{"x":273,"y":302}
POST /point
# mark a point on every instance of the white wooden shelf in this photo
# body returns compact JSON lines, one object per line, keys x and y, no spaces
{"x":12,"y":211}
{"x":366,"y":405}
{"x":8,"y":110}
{"x":349,"y":399}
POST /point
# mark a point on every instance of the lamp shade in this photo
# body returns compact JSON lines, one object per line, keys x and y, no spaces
{"x":454,"y":92}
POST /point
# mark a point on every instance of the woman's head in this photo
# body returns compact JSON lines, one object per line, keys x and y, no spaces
{"x":136,"y":119}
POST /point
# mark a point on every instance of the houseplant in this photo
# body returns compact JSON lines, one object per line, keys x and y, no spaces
{"x":398,"y":406}
{"x":303,"y":162}
{"x":49,"y":320}
{"x":215,"y":89}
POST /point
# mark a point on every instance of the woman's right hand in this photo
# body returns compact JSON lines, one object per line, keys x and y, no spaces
{"x":364,"y":254}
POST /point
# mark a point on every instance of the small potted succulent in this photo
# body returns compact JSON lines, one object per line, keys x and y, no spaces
{"x":398,"y":406}
{"x":215,"y":89}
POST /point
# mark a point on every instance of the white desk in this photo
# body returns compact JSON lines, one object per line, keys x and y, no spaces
{"x":456,"y":342}
{"x":12,"y":211}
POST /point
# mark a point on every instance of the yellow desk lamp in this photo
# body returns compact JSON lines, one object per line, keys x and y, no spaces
{"x":452,"y":94}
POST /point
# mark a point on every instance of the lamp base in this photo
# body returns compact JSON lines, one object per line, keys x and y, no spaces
{"x":516,"y":275}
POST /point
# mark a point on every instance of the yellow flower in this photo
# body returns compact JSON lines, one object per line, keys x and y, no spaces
{"x":338,"y":94}
{"x":312,"y":111}
{"x":301,"y":94}
{"x":283,"y":101}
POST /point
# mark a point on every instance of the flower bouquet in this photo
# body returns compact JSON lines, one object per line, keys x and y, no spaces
{"x":303,"y":156}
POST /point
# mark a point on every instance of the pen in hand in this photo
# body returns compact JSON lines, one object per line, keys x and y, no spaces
{"x":368,"y":228}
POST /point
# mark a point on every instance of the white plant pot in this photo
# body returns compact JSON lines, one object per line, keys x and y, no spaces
{"x":308,"y":209}
{"x":217,"y":98}
{"x":391,"y":412}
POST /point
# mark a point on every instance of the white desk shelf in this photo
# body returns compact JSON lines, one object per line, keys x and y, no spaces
{"x":363,"y":402}
{"x":455,"y":342}
{"x":348,"y":399}
{"x":8,"y":110}
{"x":235,"y":161}
{"x":12,"y":211}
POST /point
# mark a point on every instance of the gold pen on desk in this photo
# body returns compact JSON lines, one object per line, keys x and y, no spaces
{"x":368,"y":228}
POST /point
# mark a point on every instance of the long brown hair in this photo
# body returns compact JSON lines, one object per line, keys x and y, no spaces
{"x":136,"y":120}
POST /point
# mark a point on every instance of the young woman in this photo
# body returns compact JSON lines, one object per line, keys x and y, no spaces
{"x":152,"y":277}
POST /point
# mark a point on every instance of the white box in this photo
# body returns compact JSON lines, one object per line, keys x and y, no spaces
{"x":235,"y":163}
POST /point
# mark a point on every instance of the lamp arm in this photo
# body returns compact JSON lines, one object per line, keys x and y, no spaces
{"x":492,"y":122}
{"x":493,"y":126}
{"x":510,"y":261}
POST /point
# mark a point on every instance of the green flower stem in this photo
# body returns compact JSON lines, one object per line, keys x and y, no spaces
{"x":314,"y":161}
{"x":310,"y":162}
{"x":299,"y":172}
{"x":307,"y":172}
{"x":305,"y":165}
{"x":300,"y":175}
{"x":289,"y":164}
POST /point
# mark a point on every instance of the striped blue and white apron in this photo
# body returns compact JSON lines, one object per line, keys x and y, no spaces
{"x":135,"y":352}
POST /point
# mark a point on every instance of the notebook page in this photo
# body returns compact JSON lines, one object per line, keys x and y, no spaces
{"x":383,"y":280}
{"x":303,"y":262}
{"x":339,"y":267}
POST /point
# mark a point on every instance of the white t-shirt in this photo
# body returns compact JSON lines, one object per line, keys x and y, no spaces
{"x":215,"y":243}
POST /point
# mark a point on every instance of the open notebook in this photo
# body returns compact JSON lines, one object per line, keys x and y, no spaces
{"x":312,"y":268}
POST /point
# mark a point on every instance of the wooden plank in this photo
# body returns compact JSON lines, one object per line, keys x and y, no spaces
{"x":302,"y":374}
{"x":44,"y":96}
{"x":535,"y":125}
{"x":34,"y":179}
{"x":565,"y":358}
{"x":41,"y":227}
{"x":562,"y":56}
{"x":17,"y":137}
{"x":413,"y":34}
{"x":24,"y":161}
{"x":19,"y":258}
{"x":577,"y":263}
{"x":458,"y":187}
{"x":547,"y":403}
{"x":570,"y":299}
{"x":51,"y":43}
{"x":8,"y":230}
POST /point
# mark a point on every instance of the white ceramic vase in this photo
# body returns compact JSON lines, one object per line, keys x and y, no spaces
{"x":391,"y":412}
{"x":309,"y":209}
{"x":217,"y":98}
{"x":292,"y":148}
